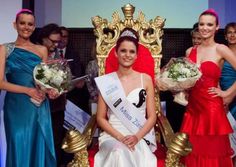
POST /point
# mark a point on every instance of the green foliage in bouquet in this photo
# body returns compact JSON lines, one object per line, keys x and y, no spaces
{"x":181,"y":68}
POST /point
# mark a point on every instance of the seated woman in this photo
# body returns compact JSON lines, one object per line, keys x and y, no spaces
{"x":126,"y":111}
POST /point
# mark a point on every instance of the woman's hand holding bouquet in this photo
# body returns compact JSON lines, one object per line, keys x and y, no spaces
{"x":178,"y":75}
{"x":52,"y":78}
{"x":36,"y":95}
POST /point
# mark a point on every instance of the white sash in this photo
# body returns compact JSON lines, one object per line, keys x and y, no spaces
{"x":114,"y":95}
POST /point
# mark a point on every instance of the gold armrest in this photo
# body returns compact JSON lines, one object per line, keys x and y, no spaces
{"x":77,"y":143}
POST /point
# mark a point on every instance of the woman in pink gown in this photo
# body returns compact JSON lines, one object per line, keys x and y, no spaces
{"x":205,"y":119}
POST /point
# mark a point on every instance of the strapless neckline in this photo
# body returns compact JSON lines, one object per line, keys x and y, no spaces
{"x":208,"y":61}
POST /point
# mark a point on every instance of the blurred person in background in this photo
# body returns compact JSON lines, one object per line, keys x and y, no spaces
{"x":196,"y":36}
{"x":50,"y":36}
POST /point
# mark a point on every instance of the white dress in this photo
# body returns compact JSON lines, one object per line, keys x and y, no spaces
{"x":113,"y":153}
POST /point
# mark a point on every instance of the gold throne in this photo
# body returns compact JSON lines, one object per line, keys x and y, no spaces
{"x":150,"y":34}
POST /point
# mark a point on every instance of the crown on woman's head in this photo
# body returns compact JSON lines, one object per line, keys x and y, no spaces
{"x":128,"y":33}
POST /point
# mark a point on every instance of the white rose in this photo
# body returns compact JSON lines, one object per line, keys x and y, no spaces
{"x":60,"y":73}
{"x":45,"y":67}
{"x":54,"y":71}
{"x":57,"y":80}
{"x":48,"y":73}
{"x":186,"y":71}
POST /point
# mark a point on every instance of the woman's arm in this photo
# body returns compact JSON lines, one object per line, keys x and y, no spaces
{"x":227,"y":95}
{"x":45,"y":54}
{"x":187,"y":52}
{"x":226,"y":54}
{"x":230,"y":94}
{"x":32,"y":92}
{"x":103,"y":122}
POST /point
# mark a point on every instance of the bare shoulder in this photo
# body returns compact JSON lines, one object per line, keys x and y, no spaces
{"x":147,"y":78}
{"x":222,"y":49}
{"x":41,"y":50}
{"x":2,"y":49}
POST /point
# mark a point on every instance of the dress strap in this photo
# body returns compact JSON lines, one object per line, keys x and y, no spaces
{"x":193,"y":55}
{"x":141,"y":79}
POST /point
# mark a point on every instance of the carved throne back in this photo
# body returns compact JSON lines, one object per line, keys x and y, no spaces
{"x":150,"y":38}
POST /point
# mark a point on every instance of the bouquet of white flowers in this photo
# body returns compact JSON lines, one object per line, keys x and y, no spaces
{"x":179,"y":75}
{"x":54,"y":75}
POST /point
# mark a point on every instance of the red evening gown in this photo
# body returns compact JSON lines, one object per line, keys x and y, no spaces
{"x":205,"y":121}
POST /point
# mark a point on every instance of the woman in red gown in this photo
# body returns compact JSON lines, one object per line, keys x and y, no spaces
{"x":205,"y":119}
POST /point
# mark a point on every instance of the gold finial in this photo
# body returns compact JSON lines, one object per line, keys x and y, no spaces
{"x":74,"y":141}
{"x":180,"y":144}
{"x":128,"y":10}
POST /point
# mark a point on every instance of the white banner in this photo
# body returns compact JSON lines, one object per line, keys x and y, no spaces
{"x":75,"y":117}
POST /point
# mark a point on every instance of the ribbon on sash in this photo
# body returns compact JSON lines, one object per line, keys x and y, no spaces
{"x":114,"y":96}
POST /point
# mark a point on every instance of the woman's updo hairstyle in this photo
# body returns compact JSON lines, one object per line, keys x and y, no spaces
{"x":23,"y":11}
{"x":128,"y":34}
{"x":211,"y":12}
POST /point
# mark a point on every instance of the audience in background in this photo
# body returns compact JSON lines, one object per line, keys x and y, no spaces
{"x":66,"y":52}
{"x":79,"y":95}
{"x":56,"y":39}
{"x":50,"y":37}
{"x":196,"y":36}
{"x":92,"y":72}
{"x":76,"y":94}
{"x":228,"y":74}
